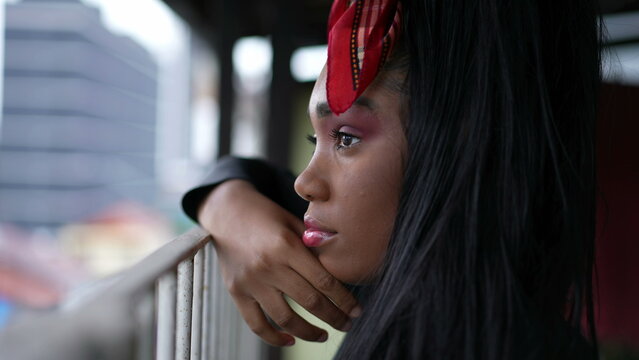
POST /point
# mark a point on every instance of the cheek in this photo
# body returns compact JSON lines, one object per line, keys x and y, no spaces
{"x":367,"y":208}
{"x":373,"y":195}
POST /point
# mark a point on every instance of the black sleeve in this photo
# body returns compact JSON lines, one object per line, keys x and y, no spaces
{"x":275,"y":183}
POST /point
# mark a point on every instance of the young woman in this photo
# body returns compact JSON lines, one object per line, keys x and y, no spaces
{"x":456,"y":183}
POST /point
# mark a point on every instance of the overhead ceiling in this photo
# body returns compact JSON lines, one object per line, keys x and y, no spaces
{"x":255,"y":17}
{"x":616,"y":6}
{"x":258,"y":17}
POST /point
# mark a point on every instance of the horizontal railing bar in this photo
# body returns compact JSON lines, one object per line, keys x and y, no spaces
{"x":143,"y":275}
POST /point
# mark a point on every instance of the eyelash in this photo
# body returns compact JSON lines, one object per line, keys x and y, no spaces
{"x":337,"y":136}
{"x":312,"y":139}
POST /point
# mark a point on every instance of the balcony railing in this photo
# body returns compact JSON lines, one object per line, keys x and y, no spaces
{"x":171,"y":305}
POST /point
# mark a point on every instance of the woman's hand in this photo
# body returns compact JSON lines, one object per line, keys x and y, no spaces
{"x":262,"y":257}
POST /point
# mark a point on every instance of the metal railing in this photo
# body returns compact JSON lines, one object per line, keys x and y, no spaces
{"x":171,"y":305}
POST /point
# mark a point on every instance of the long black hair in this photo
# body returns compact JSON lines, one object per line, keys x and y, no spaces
{"x":492,"y":252}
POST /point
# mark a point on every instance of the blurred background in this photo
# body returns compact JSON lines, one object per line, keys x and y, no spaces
{"x":112,"y":109}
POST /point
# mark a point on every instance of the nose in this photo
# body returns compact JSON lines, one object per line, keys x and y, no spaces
{"x":311,"y":184}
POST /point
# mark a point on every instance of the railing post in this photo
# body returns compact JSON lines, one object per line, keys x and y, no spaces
{"x":145,"y":323}
{"x":206,"y":300}
{"x":183,"y":313}
{"x":196,"y":317}
{"x":215,"y":310}
{"x":223,"y":337}
{"x":166,"y":291}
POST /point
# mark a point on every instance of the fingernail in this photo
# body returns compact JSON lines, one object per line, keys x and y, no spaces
{"x":347,"y":326}
{"x":290,"y":342}
{"x":323,"y":338}
{"x":356,"y":312}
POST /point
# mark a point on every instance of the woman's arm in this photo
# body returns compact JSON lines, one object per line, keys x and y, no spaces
{"x":271,"y":181}
{"x":261,"y":254}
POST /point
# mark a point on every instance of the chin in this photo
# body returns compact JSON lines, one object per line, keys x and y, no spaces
{"x":347,"y":271}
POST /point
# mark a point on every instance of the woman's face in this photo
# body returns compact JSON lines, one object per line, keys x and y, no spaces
{"x":353,"y":180}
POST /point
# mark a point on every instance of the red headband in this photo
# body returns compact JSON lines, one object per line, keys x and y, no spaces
{"x":361,"y":34}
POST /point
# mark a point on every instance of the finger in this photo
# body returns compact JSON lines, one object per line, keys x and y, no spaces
{"x":315,"y":302}
{"x":281,"y":313}
{"x":309,"y":267}
{"x":256,"y":320}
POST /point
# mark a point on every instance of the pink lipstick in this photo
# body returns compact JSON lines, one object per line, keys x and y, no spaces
{"x":315,"y":233}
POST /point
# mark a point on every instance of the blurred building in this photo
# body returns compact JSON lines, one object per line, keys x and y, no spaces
{"x":79,"y":117}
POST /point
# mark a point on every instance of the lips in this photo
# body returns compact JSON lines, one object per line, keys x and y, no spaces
{"x":316,"y":234}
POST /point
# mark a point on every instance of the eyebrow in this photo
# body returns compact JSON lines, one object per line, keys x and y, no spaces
{"x":323,"y":110}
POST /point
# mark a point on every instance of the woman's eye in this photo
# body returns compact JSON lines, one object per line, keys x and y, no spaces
{"x":344,"y":140}
{"x":347,"y":140}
